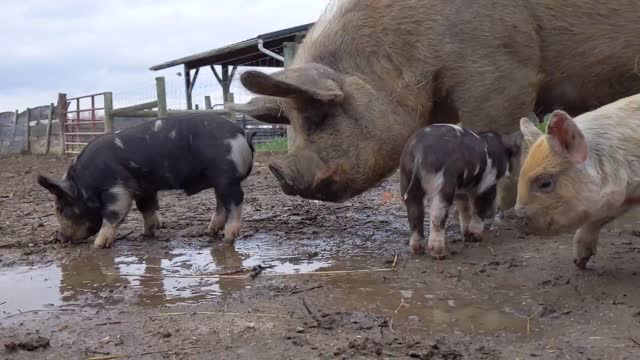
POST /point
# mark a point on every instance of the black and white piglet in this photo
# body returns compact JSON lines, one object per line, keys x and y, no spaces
{"x":450,"y":164}
{"x":187,"y":152}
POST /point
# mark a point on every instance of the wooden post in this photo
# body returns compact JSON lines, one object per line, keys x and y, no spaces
{"x":28,"y":130}
{"x":289,"y":52}
{"x":225,"y":79}
{"x":162,"y":97}
{"x":61,"y":115}
{"x":15,"y":124}
{"x":187,"y":87}
{"x":108,"y":112}
{"x":207,"y":103}
{"x":232,"y":113}
{"x":48,"y":133}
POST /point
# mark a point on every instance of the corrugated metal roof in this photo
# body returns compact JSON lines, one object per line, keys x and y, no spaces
{"x":244,"y":53}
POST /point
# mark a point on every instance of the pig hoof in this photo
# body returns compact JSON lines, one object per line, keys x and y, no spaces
{"x":213,"y":231}
{"x":417,"y":243}
{"x":471,"y":237}
{"x":438,"y":254}
{"x":438,"y":251}
{"x":581,"y":263}
{"x":231,"y":233}
{"x":417,"y":249}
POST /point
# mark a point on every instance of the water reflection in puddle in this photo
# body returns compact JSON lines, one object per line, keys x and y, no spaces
{"x":168,"y":275}
{"x":125,"y":275}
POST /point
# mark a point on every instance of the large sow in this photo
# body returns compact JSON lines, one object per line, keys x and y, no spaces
{"x":186,"y":152}
{"x":372,"y":72}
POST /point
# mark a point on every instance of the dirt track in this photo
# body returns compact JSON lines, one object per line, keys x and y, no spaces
{"x":510,"y":297}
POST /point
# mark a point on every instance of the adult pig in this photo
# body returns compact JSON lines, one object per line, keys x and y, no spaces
{"x":581,"y":175}
{"x":370,"y":73}
{"x":186,"y":152}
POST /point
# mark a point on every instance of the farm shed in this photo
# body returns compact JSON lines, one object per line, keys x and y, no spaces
{"x":274,"y":49}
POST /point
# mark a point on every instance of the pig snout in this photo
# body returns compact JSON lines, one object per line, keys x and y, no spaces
{"x":517,"y":218}
{"x":284,"y":177}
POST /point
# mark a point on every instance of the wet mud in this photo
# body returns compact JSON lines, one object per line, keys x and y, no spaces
{"x":305,"y":280}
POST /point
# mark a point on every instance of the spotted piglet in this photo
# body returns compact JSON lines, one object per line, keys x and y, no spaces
{"x":450,"y":164}
{"x":186,"y":152}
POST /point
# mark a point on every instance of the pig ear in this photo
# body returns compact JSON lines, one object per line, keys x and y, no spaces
{"x":60,"y":189}
{"x":530,"y":132}
{"x":311,"y":81}
{"x":565,"y":137}
{"x":263,"y":108}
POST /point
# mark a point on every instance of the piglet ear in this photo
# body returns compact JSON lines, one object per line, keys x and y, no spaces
{"x":60,"y":189}
{"x":566,"y":138}
{"x":529,"y":131}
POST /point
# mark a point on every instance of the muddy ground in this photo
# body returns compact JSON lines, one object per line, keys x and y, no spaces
{"x":509,"y":297}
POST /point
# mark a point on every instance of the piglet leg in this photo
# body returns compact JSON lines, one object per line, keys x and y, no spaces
{"x":148,"y":206}
{"x":439,"y":211}
{"x":482,"y":206}
{"x":414,"y":202}
{"x":219,"y":218}
{"x":464,"y":213}
{"x":118,"y":203}
{"x":232,"y":197}
{"x":585,"y":243}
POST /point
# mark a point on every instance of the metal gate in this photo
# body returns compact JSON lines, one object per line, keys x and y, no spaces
{"x":83,"y":121}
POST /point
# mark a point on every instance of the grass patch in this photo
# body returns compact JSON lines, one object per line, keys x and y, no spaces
{"x":274,"y":145}
{"x":543,"y":125}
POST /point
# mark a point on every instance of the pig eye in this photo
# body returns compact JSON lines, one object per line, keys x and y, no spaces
{"x":544,"y":183}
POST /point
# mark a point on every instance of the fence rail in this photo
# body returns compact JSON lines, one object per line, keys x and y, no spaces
{"x":85,"y":117}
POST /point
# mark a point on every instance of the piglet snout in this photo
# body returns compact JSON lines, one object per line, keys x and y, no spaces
{"x":516,"y":218}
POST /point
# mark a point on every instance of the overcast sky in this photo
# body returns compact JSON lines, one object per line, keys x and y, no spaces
{"x":80,"y":47}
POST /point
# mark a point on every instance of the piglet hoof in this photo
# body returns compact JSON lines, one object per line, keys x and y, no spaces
{"x":438,"y":254}
{"x":231,"y":233}
{"x":417,"y":248}
{"x":581,"y":263}
{"x":437,"y":251}
{"x":417,"y":244}
{"x":471,"y":237}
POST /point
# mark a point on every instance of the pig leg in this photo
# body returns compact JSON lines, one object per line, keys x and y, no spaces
{"x":464,"y":213}
{"x":438,"y":212}
{"x":585,"y":243}
{"x":117,"y":204}
{"x":482,"y":206}
{"x":232,"y":197}
{"x":414,"y":202}
{"x":148,"y":205}
{"x":219,"y":218}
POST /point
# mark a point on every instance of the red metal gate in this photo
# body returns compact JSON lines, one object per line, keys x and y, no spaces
{"x":83,"y":121}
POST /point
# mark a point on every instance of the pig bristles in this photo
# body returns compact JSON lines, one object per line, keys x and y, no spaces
{"x":636,"y":67}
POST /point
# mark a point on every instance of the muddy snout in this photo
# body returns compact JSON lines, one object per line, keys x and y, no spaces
{"x":518,"y":219}
{"x":284,"y":177}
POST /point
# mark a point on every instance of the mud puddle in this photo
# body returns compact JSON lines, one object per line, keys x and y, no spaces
{"x":127,"y":274}
{"x":137,"y":274}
